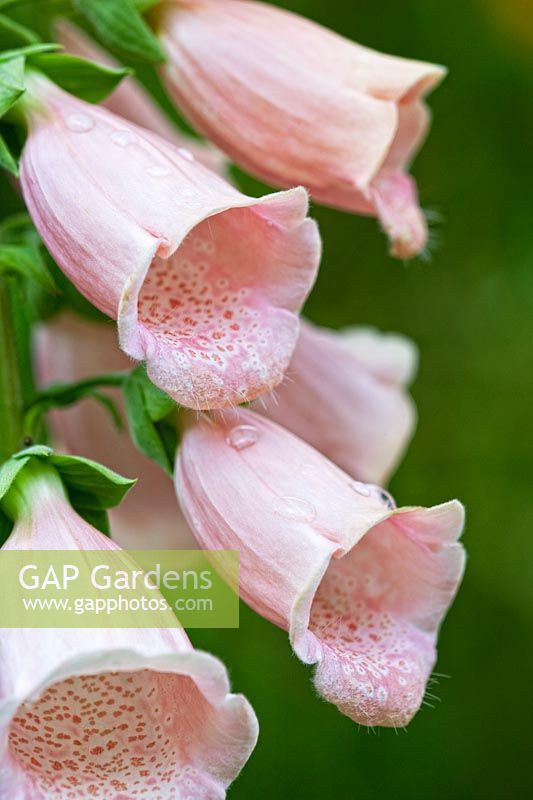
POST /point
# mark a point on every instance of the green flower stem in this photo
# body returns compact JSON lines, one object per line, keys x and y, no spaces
{"x":16,"y":382}
{"x":62,"y":395}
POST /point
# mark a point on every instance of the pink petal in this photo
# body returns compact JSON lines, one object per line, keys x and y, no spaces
{"x":110,"y":713}
{"x":361,"y":586}
{"x":154,"y":241}
{"x":345,"y":395}
{"x":395,"y":197}
{"x":241,"y":71}
{"x":131,"y":101}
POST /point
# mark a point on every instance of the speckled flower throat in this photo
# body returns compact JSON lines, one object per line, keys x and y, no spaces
{"x":208,"y":315}
{"x":116,"y":735}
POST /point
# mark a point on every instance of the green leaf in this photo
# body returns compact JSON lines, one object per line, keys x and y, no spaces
{"x":12,"y":34}
{"x":11,"y":83}
{"x":92,"y":82}
{"x":28,"y":50}
{"x":145,"y":410}
{"x":6,"y":159}
{"x":120,"y":25}
{"x":27,"y":262}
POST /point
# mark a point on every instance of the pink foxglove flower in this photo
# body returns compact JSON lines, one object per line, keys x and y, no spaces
{"x":204,"y":282}
{"x":295,"y":103}
{"x":131,"y":101}
{"x":361,"y":586}
{"x":71,"y":348}
{"x":110,"y":713}
{"x":344,"y":393}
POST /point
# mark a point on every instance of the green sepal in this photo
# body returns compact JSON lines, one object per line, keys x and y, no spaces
{"x":6,"y":526}
{"x":86,"y":79}
{"x":91,"y":487}
{"x":147,"y":407}
{"x":145,"y":5}
{"x":9,"y":471}
{"x":11,"y":83}
{"x":7,"y":160}
{"x":28,"y":50}
{"x":120,"y":26}
{"x":97,"y":518}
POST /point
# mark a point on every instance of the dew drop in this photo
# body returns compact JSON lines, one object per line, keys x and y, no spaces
{"x":158,"y":170}
{"x":361,"y":488}
{"x":308,"y":469}
{"x":185,"y":153}
{"x":382,"y":495}
{"x":80,"y":123}
{"x":122,"y":138}
{"x":295,"y":508}
{"x":242,"y":436}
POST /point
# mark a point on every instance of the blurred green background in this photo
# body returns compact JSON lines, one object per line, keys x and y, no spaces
{"x":470,"y":310}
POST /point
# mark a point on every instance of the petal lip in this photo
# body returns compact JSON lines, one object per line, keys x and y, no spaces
{"x":207,"y":672}
{"x":450,"y":514}
{"x":289,"y":210}
{"x":311,"y":649}
{"x":130,"y":341}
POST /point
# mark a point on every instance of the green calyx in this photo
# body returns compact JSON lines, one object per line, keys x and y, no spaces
{"x":90,"y":487}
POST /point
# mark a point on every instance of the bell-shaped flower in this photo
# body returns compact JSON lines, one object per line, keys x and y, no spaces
{"x":361,"y":586}
{"x":295,"y":103}
{"x":131,"y":101}
{"x":344,"y":393}
{"x":71,"y":348}
{"x":102,"y":712}
{"x":204,"y":282}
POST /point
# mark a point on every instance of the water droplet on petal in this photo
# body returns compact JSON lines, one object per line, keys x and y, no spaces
{"x":361,"y":488}
{"x":185,"y":153}
{"x":382,"y":495}
{"x":295,"y":508}
{"x":122,"y":138}
{"x":308,"y":469}
{"x":242,"y":436}
{"x":158,"y":170}
{"x":80,"y":123}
